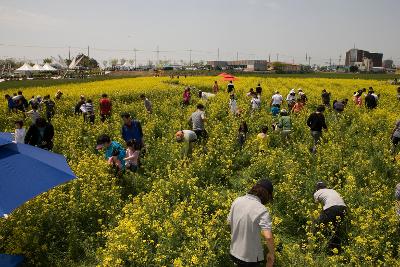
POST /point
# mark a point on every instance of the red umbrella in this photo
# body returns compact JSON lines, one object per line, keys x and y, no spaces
{"x":223,"y":74}
{"x":229,"y":78}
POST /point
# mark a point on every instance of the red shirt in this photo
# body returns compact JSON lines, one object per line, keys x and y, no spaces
{"x":105,"y":106}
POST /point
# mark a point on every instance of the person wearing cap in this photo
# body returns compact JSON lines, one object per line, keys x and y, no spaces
{"x":197,"y":120}
{"x":285,"y":124}
{"x":333,"y":208}
{"x":316,"y":122}
{"x":291,"y":99}
{"x":113,"y":151}
{"x":276,"y":99}
{"x":132,"y":129}
{"x":248,"y":217}
{"x":187,"y":137}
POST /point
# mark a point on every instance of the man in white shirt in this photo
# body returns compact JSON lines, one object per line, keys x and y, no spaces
{"x":334,"y":211}
{"x":276,"y":99}
{"x":248,"y":217}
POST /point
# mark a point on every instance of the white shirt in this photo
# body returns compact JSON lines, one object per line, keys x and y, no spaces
{"x":205,"y":95}
{"x":19,"y":135}
{"x":329,"y":198}
{"x":255,"y":103}
{"x":277,"y":99}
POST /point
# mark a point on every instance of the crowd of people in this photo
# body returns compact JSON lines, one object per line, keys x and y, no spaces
{"x":248,"y":216}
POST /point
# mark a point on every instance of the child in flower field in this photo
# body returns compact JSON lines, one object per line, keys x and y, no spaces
{"x":115,"y":162}
{"x":20,"y":132}
{"x":132,"y":155}
{"x":263,"y":139}
{"x":243,"y":131}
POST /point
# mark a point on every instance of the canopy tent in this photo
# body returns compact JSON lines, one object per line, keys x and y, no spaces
{"x":223,"y":74}
{"x":37,"y":67}
{"x":24,"y":68}
{"x":48,"y":67}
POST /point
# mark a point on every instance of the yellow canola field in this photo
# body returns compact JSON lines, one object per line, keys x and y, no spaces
{"x":173,"y":211}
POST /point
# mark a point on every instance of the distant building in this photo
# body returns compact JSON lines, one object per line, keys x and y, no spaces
{"x":388,"y":64}
{"x":355,"y":56}
{"x":285,"y":67}
{"x":246,"y":65}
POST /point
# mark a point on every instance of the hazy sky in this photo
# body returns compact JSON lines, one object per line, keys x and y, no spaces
{"x":252,"y":28}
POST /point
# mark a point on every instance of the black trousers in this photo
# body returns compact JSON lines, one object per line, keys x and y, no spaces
{"x":241,"y":263}
{"x":334,"y":215}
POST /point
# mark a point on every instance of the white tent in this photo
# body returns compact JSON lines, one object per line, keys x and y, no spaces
{"x":47,"y":67}
{"x":37,"y":67}
{"x":24,"y":68}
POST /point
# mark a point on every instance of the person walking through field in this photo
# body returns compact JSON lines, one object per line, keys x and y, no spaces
{"x":147,"y":104}
{"x":285,"y":124}
{"x":132,"y":130}
{"x":298,"y":107}
{"x":326,"y":98}
{"x":333,"y":212}
{"x":197,"y":120}
{"x":395,"y":137}
{"x":371,"y":101}
{"x":105,"y":107}
{"x":77,"y":109}
{"x":291,"y":99}
{"x":231,"y":87}
{"x":316,"y":122}
{"x":186,"y":96}
{"x":249,"y":219}
{"x":276,"y":99}
{"x":215,"y":87}
{"x":50,"y":107}
{"x":258,"y":89}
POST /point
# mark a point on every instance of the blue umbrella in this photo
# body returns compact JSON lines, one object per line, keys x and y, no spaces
{"x":10,"y":260}
{"x":5,"y":138}
{"x":27,"y":171}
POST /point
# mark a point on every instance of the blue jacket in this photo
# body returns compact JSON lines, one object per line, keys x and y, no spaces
{"x":132,"y":132}
{"x":116,"y":146}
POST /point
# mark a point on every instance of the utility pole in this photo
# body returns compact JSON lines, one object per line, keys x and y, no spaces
{"x":218,"y":55}
{"x":340,"y":59}
{"x":69,"y":53}
{"x":269,"y":58}
{"x":330,"y":62}
{"x":277,"y":57}
{"x":158,"y":55}
{"x":190,"y":57}
{"x":237,"y":56}
{"x":309,"y":61}
{"x":88,"y":52}
{"x":135,"y":50}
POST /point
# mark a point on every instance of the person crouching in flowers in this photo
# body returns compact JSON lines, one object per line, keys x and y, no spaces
{"x":113,"y":152}
{"x":187,"y":137}
{"x":248,"y":217}
{"x":132,"y":155}
{"x":332,"y":215}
